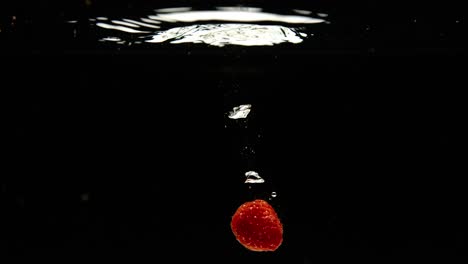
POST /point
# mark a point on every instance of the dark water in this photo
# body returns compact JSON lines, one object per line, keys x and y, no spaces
{"x":118,"y":147}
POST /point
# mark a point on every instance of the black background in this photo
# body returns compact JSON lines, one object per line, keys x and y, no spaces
{"x":128,"y":153}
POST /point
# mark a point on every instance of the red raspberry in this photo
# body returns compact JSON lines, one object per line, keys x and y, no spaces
{"x":257,"y":226}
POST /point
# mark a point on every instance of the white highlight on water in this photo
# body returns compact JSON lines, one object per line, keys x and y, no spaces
{"x":120,"y":28}
{"x":302,"y":12}
{"x":173,"y":9}
{"x":123,"y":23}
{"x":140,"y":23}
{"x":111,"y":39}
{"x":234,"y":16}
{"x":229,"y":34}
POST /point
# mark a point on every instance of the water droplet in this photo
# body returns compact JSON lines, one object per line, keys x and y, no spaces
{"x":273,"y":194}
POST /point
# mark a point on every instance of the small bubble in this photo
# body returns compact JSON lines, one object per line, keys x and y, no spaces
{"x":273,"y":194}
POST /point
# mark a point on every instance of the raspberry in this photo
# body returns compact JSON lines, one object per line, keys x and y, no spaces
{"x":257,"y":226}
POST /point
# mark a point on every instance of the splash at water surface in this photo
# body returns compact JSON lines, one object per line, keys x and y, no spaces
{"x":242,"y":26}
